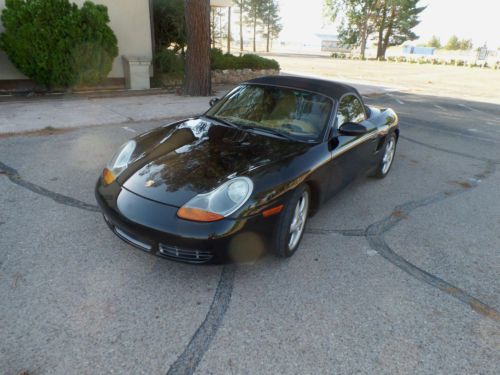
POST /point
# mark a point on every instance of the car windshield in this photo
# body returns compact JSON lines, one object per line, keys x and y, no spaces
{"x":297,"y":114}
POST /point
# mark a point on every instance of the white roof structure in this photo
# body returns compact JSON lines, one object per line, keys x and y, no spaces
{"x":221,"y":3}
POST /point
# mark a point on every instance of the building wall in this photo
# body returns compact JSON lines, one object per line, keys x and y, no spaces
{"x":130,"y":20}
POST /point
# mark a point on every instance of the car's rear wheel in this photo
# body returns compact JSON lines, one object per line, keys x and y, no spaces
{"x":388,"y":157}
{"x":291,"y":226}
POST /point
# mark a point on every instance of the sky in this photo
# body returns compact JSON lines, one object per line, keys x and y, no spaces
{"x":478,"y":20}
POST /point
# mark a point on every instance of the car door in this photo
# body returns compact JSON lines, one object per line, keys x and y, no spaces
{"x":351,"y":154}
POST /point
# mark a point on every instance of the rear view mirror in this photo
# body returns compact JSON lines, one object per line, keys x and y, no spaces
{"x":352,"y":128}
{"x":214,"y":101}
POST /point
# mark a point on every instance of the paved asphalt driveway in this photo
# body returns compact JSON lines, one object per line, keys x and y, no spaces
{"x":394,"y":276}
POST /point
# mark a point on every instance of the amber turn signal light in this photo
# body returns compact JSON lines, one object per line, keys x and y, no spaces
{"x":108,"y":177}
{"x":195,"y":214}
{"x":273,"y":211}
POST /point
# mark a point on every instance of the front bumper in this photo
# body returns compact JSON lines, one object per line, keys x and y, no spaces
{"x":155,"y":228}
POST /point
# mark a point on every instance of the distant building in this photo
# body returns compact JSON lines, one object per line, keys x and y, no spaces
{"x":421,"y":51}
{"x":329,"y":42}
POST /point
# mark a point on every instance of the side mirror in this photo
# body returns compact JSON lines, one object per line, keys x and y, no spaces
{"x":214,"y":101}
{"x":351,"y":128}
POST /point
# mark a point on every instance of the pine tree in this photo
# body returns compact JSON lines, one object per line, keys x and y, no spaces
{"x":271,"y":20}
{"x":241,"y":6}
{"x":254,"y":14}
{"x":452,"y":43}
{"x":359,"y":22}
{"x":395,"y":22}
{"x":434,"y":42}
{"x":465,"y":44}
{"x":391,"y":20}
{"x":218,"y":26}
{"x":198,"y":79}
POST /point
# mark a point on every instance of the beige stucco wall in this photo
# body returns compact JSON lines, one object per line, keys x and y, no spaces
{"x":130,"y":21}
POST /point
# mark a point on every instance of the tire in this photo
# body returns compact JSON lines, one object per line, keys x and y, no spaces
{"x":295,"y":213}
{"x":387,"y":160}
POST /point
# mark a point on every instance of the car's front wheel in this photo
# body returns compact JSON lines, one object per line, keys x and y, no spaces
{"x":290,"y":227}
{"x":388,"y":157}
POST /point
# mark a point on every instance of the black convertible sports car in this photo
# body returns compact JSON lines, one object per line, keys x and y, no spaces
{"x":244,"y":177}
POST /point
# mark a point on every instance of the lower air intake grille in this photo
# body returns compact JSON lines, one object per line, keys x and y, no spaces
{"x":185,"y":255}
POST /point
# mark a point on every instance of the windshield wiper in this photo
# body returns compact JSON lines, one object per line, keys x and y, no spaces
{"x":272,"y":131}
{"x":225,"y":122}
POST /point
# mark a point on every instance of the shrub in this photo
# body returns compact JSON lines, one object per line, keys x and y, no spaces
{"x":221,"y":61}
{"x":169,"y":24}
{"x":337,"y":55}
{"x":256,"y":62}
{"x":94,"y":55}
{"x":56,"y":44}
{"x":169,"y":62}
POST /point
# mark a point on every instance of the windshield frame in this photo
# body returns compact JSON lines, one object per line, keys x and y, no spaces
{"x":328,"y":123}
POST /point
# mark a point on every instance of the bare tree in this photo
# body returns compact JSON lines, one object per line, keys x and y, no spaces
{"x":198,"y":74}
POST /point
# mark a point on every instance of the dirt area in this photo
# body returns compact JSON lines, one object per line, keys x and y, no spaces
{"x":36,"y":133}
{"x":474,"y":84}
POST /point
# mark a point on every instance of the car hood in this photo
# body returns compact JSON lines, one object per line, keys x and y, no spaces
{"x":196,"y":156}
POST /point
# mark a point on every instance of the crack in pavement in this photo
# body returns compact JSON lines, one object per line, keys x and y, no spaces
{"x":188,"y":361}
{"x":375,"y":237}
{"x":190,"y":358}
{"x":449,"y":151}
{"x":15,"y":178}
{"x":374,"y":234}
{"x":343,"y":232}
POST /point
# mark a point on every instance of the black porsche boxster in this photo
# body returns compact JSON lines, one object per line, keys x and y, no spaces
{"x":244,"y":177}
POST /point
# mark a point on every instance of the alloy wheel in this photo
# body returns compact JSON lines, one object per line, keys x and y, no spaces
{"x":299,"y":220}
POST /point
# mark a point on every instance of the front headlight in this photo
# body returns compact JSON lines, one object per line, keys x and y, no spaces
{"x":119,"y":162}
{"x":218,"y":204}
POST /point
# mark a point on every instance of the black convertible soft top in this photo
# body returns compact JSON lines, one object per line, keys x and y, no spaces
{"x":329,"y":88}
